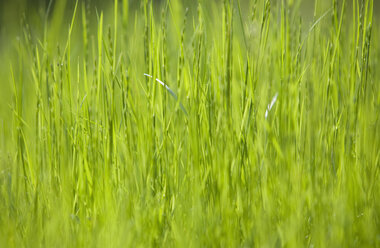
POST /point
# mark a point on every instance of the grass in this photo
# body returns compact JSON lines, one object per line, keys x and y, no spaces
{"x":174,"y":123}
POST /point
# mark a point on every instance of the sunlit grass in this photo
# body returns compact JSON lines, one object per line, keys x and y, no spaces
{"x":209,"y":123}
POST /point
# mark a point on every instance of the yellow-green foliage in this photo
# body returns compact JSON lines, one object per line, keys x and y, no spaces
{"x":261,"y":130}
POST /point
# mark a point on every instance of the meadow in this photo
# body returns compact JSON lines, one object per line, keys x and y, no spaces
{"x":190,"y":123}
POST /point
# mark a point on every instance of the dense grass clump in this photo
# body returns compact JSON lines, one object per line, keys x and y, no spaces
{"x":191,"y":123}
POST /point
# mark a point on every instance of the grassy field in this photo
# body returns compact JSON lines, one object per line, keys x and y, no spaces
{"x":190,"y":124}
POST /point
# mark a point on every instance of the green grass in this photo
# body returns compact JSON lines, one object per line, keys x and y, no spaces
{"x":269,"y":135}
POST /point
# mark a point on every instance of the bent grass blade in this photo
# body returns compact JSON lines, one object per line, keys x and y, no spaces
{"x":170,"y":91}
{"x":270,"y":106}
